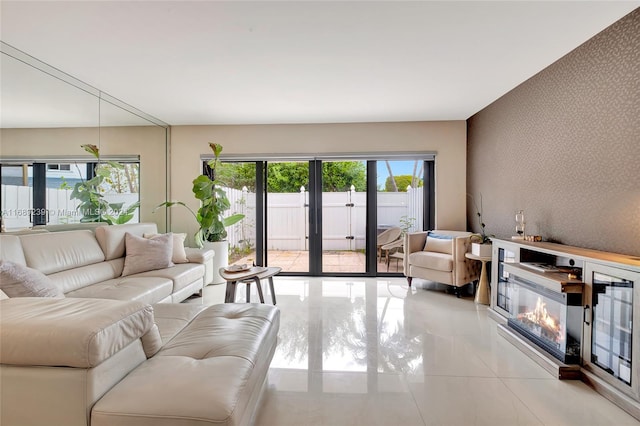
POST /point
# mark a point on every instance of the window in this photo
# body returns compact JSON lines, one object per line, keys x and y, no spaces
{"x":41,"y":193}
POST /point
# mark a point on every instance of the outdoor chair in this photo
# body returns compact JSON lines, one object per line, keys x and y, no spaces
{"x":393,"y":250}
{"x":387,"y":236}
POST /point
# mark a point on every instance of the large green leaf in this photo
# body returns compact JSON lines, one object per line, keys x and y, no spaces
{"x":233,"y":219}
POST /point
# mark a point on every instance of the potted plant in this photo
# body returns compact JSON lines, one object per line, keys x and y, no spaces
{"x":481,"y":243}
{"x":212,"y":232}
{"x":93,"y":206}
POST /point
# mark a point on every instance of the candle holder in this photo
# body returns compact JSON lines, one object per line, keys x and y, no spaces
{"x":520,"y":225}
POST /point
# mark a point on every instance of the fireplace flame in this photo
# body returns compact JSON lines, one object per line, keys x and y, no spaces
{"x":541,"y":317}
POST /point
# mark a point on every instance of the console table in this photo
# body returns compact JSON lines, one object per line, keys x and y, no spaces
{"x":599,"y":293}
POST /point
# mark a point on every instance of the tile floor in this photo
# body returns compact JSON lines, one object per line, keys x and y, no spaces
{"x":374,"y":352}
{"x":332,"y":261}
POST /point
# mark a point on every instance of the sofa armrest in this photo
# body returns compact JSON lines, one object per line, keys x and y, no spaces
{"x":203,"y":256}
{"x":69,"y":332}
{"x":464,"y":270}
{"x":461,"y":246}
{"x":196,"y":255}
{"x":415,"y":241}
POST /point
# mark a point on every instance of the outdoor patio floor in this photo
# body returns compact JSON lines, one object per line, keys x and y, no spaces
{"x":332,"y":261}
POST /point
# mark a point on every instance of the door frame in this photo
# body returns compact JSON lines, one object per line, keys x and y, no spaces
{"x":315,"y":204}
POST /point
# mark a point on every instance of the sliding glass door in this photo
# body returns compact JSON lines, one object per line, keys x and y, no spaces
{"x":399,"y":208}
{"x":327,"y":217}
{"x":344,"y":207}
{"x":287,"y":195}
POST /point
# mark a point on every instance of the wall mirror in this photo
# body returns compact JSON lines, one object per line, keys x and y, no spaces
{"x":47,"y":115}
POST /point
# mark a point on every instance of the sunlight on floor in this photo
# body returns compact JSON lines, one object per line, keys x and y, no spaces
{"x":376,"y":352}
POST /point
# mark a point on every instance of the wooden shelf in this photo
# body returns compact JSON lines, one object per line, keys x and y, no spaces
{"x":612,"y":259}
{"x":556,"y":281}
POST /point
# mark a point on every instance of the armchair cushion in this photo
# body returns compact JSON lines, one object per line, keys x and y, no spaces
{"x":432,"y":260}
{"x":439,"y":245}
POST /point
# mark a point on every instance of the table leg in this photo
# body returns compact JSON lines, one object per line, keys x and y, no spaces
{"x":482,"y":293}
{"x":260,"y":295}
{"x":248,"y":292}
{"x":273,"y":293}
{"x":230,"y":294}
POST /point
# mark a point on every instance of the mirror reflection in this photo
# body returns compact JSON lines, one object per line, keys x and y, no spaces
{"x":48,"y":178}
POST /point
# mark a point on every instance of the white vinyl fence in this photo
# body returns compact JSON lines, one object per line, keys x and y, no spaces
{"x":17,"y":206}
{"x":343,"y":217}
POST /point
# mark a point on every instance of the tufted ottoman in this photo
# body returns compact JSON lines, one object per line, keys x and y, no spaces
{"x":210,"y":369}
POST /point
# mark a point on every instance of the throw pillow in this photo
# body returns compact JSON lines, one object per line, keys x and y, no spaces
{"x":17,"y":280}
{"x":179,"y":254}
{"x":439,"y":245}
{"x":143,"y":254}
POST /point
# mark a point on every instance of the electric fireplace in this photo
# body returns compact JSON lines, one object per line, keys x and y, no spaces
{"x":550,"y":319}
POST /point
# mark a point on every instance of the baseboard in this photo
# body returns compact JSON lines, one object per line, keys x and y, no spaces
{"x":496,"y":316}
{"x":614,"y":395}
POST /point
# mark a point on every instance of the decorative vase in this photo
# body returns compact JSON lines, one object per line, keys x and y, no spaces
{"x":220,"y":258}
{"x":482,"y":250}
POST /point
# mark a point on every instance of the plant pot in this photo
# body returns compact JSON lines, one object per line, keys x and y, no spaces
{"x":220,"y":259}
{"x":482,"y":250}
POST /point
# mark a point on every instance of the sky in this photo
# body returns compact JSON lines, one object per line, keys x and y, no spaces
{"x":397,"y":167}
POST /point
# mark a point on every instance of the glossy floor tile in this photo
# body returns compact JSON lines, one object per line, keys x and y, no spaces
{"x":376,"y":352}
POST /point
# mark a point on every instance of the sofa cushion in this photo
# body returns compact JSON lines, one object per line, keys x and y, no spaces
{"x":223,"y":330}
{"x":51,"y":252}
{"x":182,"y":275}
{"x":69,"y":332}
{"x":144,"y":289}
{"x":171,"y":318}
{"x":432,"y":260}
{"x":224,"y":353}
{"x":11,"y":249}
{"x":73,"y":279}
{"x":111,"y":238}
{"x":17,"y":280}
{"x":179,"y":255}
{"x":143,"y":254}
{"x":439,"y":245}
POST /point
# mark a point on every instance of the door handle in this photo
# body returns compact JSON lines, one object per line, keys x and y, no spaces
{"x":585,"y":316}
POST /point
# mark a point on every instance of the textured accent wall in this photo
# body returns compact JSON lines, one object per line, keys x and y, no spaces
{"x":564,"y":146}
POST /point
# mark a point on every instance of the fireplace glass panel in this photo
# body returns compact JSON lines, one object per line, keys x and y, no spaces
{"x":612,"y":325}
{"x":549,"y":319}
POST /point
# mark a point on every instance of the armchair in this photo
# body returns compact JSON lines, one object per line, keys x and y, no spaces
{"x":440,"y":256}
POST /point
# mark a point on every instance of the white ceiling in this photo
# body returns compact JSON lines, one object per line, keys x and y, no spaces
{"x":212,"y":62}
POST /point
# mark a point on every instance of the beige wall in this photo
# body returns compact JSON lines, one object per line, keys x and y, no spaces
{"x":564,"y":146}
{"x":146,"y":141}
{"x":447,"y":139}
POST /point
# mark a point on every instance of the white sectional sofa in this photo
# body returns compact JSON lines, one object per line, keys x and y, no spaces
{"x":109,"y":353}
{"x":89,"y":264}
{"x":98,"y":362}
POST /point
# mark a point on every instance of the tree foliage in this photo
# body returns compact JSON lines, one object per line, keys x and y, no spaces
{"x":401,"y":181}
{"x":340,"y":175}
{"x":287,"y":177}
